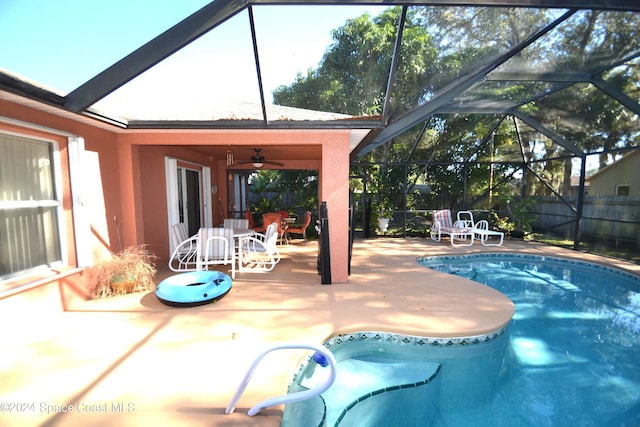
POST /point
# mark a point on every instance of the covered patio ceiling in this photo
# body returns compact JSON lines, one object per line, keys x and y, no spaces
{"x":113,"y":96}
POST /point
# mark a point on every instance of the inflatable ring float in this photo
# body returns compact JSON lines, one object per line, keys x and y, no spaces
{"x":193,"y":288}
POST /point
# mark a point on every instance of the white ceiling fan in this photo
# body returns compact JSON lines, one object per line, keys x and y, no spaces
{"x":258,"y":161}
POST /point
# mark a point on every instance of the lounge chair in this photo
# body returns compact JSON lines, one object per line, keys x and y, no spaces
{"x":442,"y":224}
{"x":480,"y":228}
{"x":260,"y":251}
{"x":301,"y":229}
{"x":465,"y":219}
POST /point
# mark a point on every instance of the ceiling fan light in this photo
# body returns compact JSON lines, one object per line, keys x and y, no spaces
{"x":257,"y":164}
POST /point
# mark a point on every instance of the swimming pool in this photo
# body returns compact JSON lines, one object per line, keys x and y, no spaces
{"x":569,"y":359}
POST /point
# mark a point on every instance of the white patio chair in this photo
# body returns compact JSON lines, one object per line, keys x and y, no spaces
{"x":442,"y":224}
{"x":481,"y":229}
{"x":216,"y":247}
{"x":236,"y":223}
{"x":183,"y":257}
{"x":465,"y":219}
{"x":260,"y":251}
{"x":179,"y":233}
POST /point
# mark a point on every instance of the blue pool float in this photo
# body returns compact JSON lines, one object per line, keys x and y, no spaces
{"x":193,"y":288}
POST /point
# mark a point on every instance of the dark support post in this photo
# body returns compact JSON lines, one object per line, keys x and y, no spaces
{"x":465,"y":172}
{"x":579,"y":203}
{"x":325,"y":254}
{"x":366,"y":207}
{"x":366,"y":226}
{"x":352,"y":224}
{"x":404,"y":200}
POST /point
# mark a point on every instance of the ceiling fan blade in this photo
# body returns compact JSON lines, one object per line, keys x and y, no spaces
{"x":266,"y":162}
{"x":269,"y":162}
{"x":259,"y":159}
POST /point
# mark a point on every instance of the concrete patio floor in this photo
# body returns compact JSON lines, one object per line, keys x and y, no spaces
{"x":132,"y":361}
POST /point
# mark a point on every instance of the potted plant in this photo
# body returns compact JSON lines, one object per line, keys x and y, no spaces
{"x":384,"y":214}
{"x":131,"y":270}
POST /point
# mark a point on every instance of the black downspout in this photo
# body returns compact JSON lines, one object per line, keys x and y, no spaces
{"x":579,"y":204}
{"x":464,"y":185}
{"x":325,"y":253}
{"x":404,"y":200}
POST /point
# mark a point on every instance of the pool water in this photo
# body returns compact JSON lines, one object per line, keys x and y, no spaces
{"x":569,"y":358}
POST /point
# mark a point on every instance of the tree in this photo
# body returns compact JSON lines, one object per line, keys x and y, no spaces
{"x":442,"y":44}
{"x":353,"y":73}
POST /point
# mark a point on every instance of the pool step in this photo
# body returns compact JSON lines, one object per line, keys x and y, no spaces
{"x":361,"y":378}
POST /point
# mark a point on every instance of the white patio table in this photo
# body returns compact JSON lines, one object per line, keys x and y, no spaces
{"x":238,"y":234}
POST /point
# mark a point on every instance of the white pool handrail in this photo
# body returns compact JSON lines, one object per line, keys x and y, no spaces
{"x":287,"y":398}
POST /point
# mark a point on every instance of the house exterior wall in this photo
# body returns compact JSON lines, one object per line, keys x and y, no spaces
{"x":126,"y":187}
{"x":625,"y":171}
{"x":59,"y":287}
{"x":154,"y":145}
{"x":99,"y":143}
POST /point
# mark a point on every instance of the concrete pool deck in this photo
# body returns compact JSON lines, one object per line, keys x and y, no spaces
{"x":132,"y":361}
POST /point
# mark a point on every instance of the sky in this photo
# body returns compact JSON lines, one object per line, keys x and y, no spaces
{"x":64,"y":43}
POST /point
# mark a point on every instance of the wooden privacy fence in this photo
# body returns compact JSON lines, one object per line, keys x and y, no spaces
{"x":604,"y":218}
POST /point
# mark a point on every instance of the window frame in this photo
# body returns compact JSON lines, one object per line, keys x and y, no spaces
{"x":621,"y":186}
{"x":57,"y":201}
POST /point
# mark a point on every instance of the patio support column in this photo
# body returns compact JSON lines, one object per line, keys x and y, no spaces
{"x":334,"y":189}
{"x":130,"y":226}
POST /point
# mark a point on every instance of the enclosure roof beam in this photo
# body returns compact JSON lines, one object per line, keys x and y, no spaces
{"x":478,"y":107}
{"x":616,"y":94}
{"x":549,"y":133}
{"x":597,"y":81}
{"x":151,"y":53}
{"x":449,"y":93}
{"x":256,"y":56}
{"x":547,"y":4}
{"x":540,"y":77}
{"x":395,"y":58}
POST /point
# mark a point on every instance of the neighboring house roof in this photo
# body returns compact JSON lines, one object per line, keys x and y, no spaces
{"x":614,"y":165}
{"x":575,"y":181}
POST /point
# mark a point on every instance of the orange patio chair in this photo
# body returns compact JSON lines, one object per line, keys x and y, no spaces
{"x":301,"y":229}
{"x":252,"y":224}
{"x":270,"y":217}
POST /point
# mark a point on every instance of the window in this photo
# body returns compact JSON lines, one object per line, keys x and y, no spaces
{"x":29,"y":204}
{"x":622,"y":190}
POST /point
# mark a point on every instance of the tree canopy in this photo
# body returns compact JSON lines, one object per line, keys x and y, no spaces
{"x":490,"y":154}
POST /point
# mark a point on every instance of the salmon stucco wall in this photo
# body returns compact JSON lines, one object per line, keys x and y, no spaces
{"x":124,"y":179}
{"x":153,"y":193}
{"x":101,"y":146}
{"x":99,"y":199}
{"x":334,"y":189}
{"x":155,"y":145}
